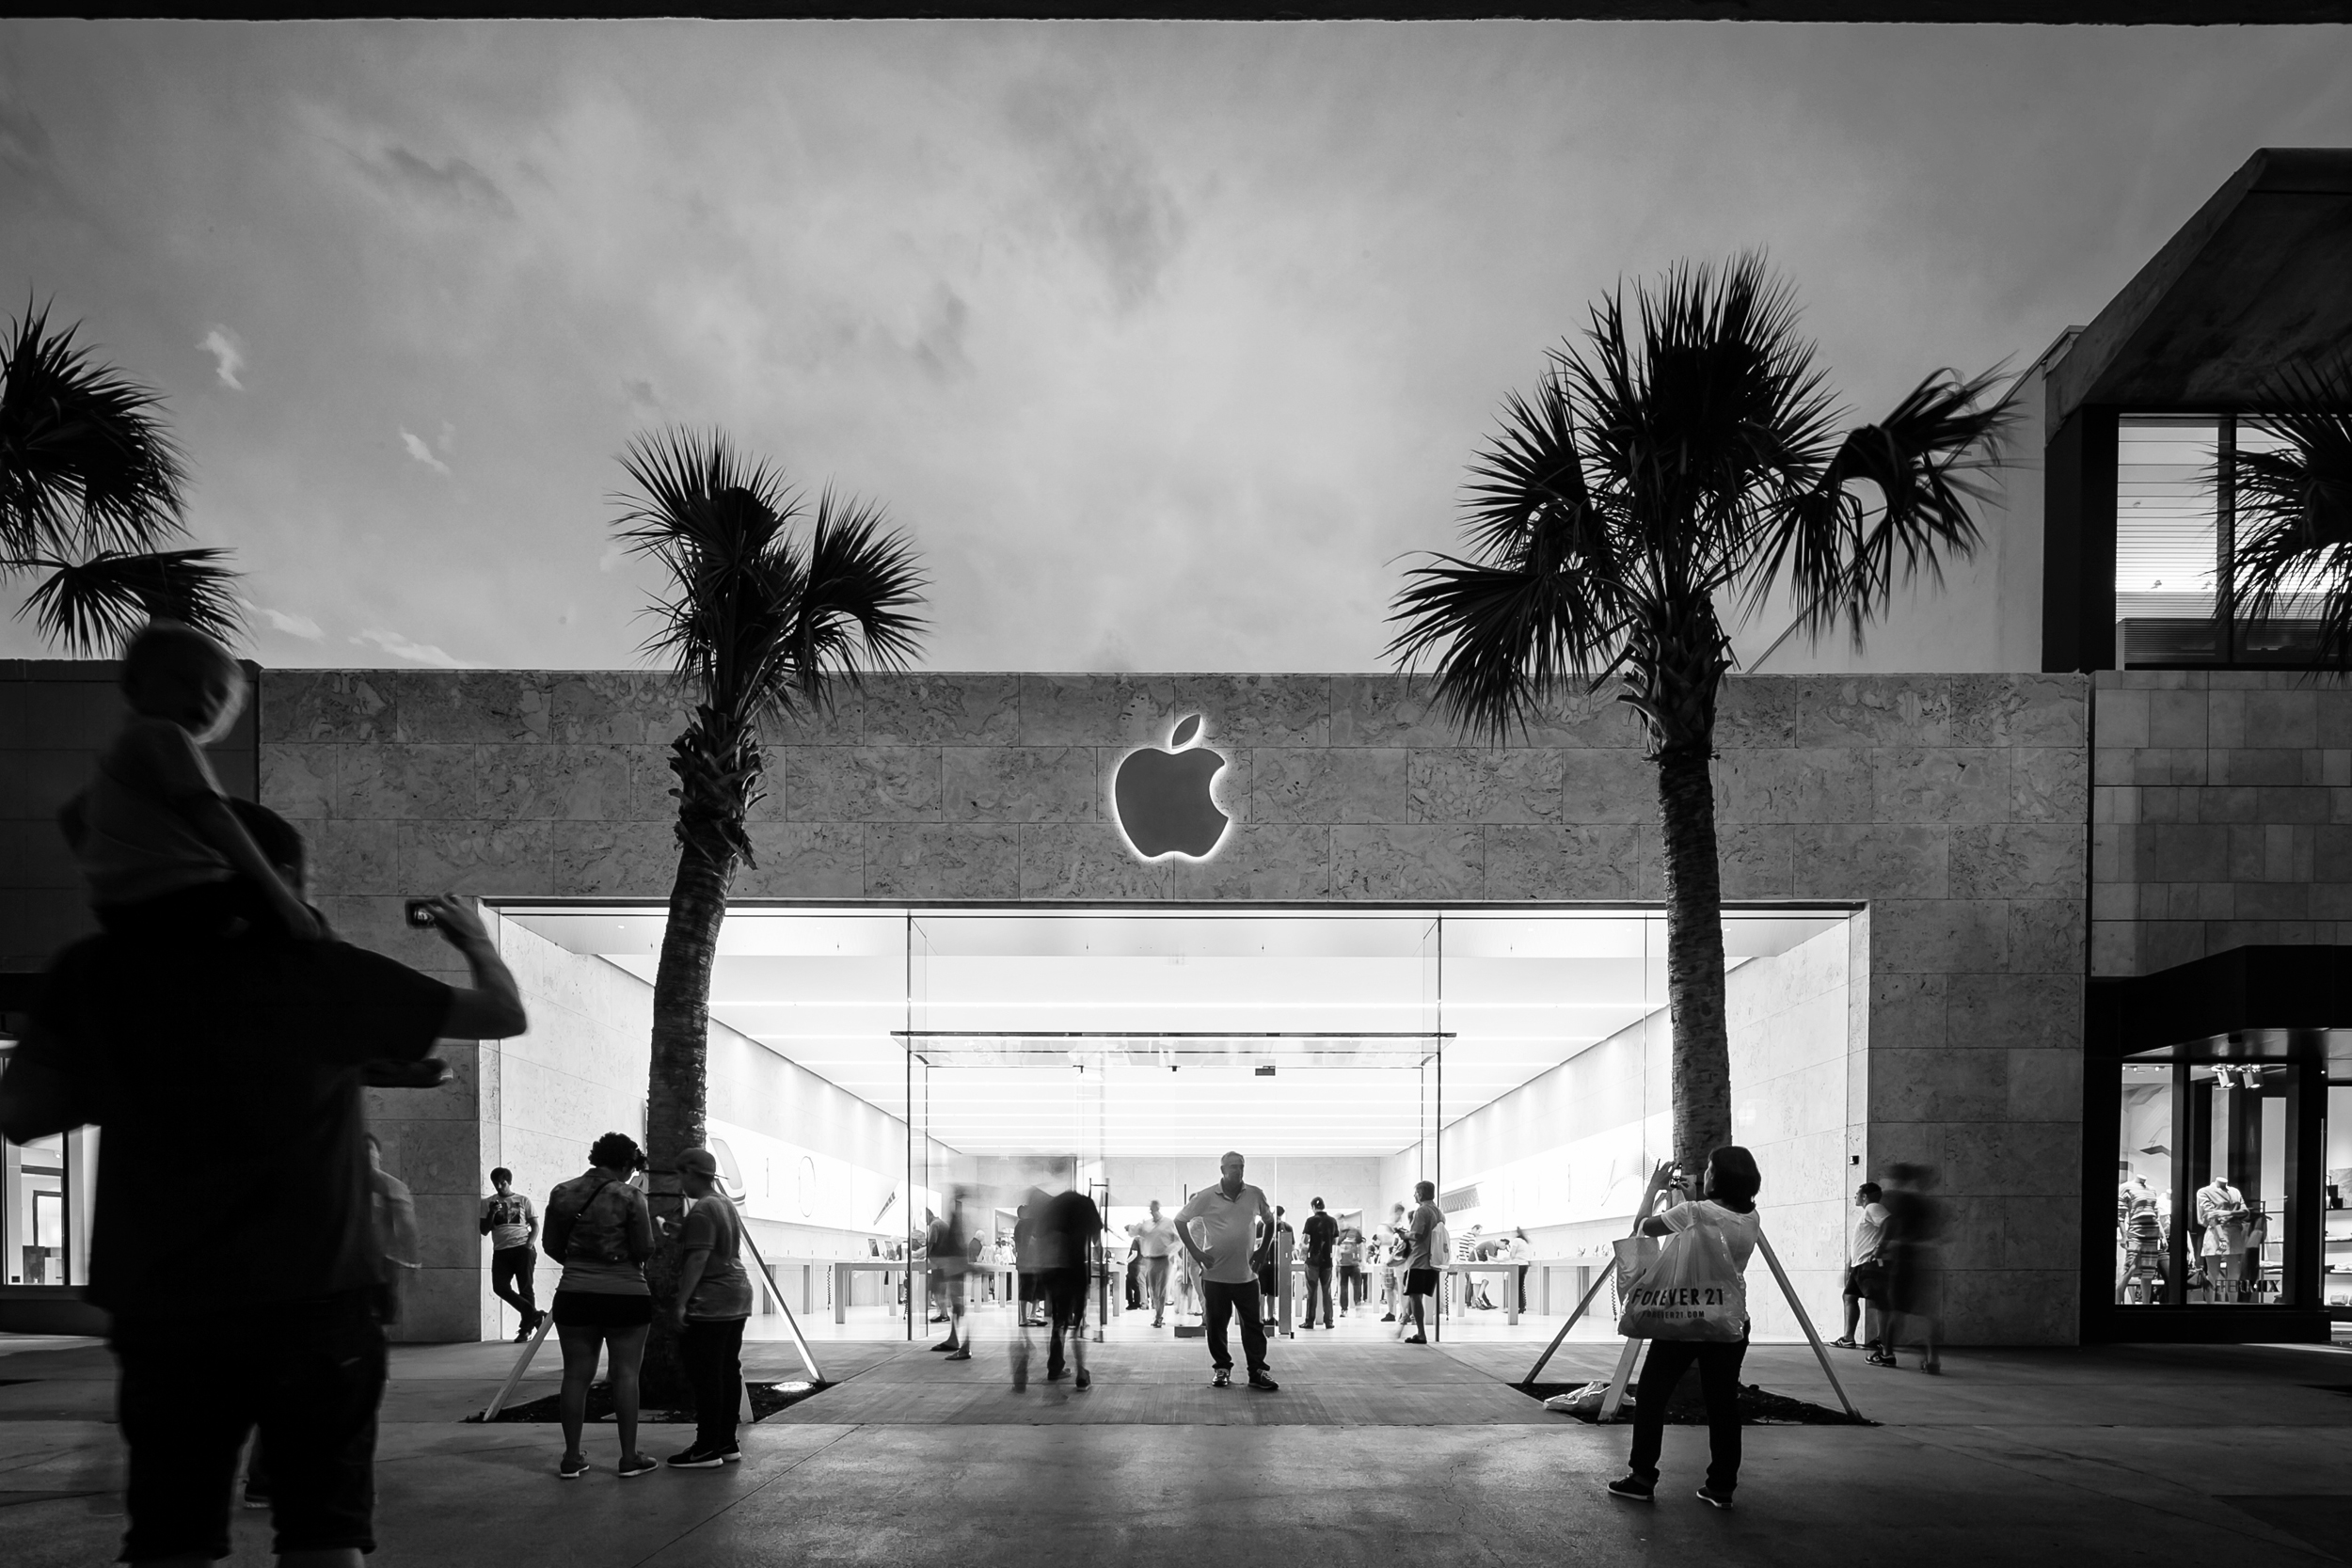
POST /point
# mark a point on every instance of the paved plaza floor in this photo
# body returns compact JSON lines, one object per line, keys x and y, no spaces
{"x":1371,"y":1452}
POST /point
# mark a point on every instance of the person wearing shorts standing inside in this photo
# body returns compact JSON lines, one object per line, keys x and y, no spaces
{"x":512,"y":1224}
{"x":714,"y":1301}
{"x":1425,"y":1244}
{"x":1865,"y":1272}
{"x":600,"y":1229}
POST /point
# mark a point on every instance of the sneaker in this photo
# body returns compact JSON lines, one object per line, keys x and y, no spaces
{"x":1714,"y":1499}
{"x":731,"y":1455}
{"x":961,"y":1355}
{"x":1842,"y":1344}
{"x":1264,"y":1384}
{"x":522,"y":1335}
{"x":1224,"y":1379}
{"x":696,"y":1459}
{"x":1082,"y":1383}
{"x":1388,"y":1318}
{"x":570,"y":1468}
{"x":948,"y":1343}
{"x":256,"y":1496}
{"x":1880,"y":1358}
{"x":1415,"y":1340}
{"x":1633,"y":1489}
{"x":638,"y":1465}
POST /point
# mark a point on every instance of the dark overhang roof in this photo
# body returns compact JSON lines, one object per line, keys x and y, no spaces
{"x":2260,"y":278}
{"x":2255,"y":998}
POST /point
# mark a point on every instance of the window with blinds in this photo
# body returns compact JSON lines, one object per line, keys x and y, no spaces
{"x":2167,"y":538}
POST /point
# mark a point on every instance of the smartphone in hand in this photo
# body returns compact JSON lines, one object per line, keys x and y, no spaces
{"x":420,"y":916}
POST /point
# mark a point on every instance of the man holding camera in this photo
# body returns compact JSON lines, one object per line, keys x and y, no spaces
{"x":228,"y":1064}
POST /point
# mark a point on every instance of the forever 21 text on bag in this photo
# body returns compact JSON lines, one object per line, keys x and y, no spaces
{"x":1692,"y":1290}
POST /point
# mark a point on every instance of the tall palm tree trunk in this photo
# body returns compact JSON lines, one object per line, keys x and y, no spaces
{"x":678,"y":1092}
{"x":1694,"y":955}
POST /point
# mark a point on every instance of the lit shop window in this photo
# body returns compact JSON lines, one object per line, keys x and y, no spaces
{"x":45,"y":1208}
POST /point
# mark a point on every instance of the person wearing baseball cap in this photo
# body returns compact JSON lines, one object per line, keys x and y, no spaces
{"x":714,"y":1299}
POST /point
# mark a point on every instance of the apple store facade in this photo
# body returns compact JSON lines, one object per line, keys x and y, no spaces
{"x":1101,"y":928}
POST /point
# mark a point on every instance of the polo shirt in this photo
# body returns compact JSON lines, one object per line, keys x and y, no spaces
{"x":1227,"y":1231}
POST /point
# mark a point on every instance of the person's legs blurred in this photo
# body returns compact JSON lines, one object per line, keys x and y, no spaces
{"x":1155,"y":1277}
{"x":581,"y":1349}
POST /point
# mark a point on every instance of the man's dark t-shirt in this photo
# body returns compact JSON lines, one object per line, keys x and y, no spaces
{"x":1069,"y":1223}
{"x":1323,"y":1231}
{"x":225,"y":1079}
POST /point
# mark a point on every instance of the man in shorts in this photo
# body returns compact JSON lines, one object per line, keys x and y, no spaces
{"x":1423,"y":1263}
{"x":232,"y":1068}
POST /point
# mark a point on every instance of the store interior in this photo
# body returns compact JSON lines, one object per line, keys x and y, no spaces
{"x":869,"y":1068}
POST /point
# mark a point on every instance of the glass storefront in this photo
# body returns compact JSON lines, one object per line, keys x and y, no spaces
{"x":45,"y":1208}
{"x":2215,"y":1198}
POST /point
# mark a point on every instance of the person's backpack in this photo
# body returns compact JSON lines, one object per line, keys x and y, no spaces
{"x":600,"y":1234}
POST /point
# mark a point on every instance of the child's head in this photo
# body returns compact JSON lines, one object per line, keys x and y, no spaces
{"x":173,"y":671}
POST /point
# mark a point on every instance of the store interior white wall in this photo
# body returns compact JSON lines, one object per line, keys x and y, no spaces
{"x":581,"y":1072}
{"x":1566,"y":1156}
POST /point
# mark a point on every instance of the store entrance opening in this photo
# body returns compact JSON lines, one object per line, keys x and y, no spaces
{"x":875,"y":1071}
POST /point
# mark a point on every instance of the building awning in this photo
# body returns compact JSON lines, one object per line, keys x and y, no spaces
{"x":2261,"y":276}
{"x":2252,"y":1004}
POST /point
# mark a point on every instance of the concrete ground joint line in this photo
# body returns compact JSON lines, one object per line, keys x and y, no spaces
{"x":744,"y":1496}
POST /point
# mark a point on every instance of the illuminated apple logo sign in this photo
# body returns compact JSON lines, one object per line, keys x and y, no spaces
{"x":1162,"y":797}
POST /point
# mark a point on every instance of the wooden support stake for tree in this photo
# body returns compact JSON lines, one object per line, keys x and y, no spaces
{"x":775,"y":1294}
{"x":522,"y":1365}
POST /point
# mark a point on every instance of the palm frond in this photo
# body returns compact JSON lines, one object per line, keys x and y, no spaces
{"x":758,"y":619}
{"x":1505,"y":637}
{"x":1843,"y":559}
{"x":86,"y":466}
{"x":2293,"y":505}
{"x":91,"y":607}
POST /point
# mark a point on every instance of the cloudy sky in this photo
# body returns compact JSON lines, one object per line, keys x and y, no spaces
{"x":1164,"y":342}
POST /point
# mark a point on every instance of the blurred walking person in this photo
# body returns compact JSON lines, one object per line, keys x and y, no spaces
{"x":951,"y":1258}
{"x":1349,"y":1254}
{"x":1025,"y":1253}
{"x":1728,"y":1205}
{"x":513,"y":1225}
{"x":1157,"y":1236}
{"x":1068,"y":1248}
{"x":714,"y":1301}
{"x":600,"y":1229}
{"x":1231,"y":1217}
{"x":1912,"y":1241}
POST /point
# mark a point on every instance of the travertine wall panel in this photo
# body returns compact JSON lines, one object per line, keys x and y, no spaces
{"x":1953,"y":807}
{"x":2221,"y":814}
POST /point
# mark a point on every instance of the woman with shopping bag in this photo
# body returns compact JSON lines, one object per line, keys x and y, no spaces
{"x":1690,"y":1303}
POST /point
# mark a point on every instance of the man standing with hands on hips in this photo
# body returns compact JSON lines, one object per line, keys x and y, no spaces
{"x":1229,"y":1214}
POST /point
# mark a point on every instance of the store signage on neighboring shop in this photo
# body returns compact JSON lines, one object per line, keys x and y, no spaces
{"x":1163,"y":800}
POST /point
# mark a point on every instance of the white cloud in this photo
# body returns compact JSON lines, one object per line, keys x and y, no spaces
{"x":293,"y":625}
{"x":228,"y":352}
{"x":416,"y":653}
{"x":422,"y":453}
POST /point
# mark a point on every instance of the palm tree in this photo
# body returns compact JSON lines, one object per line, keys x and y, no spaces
{"x":1673,"y":467}
{"x":2293,"y":506}
{"x":90,"y":485}
{"x":760,"y":623}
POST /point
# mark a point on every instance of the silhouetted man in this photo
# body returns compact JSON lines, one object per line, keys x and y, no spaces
{"x":1322,"y":1232}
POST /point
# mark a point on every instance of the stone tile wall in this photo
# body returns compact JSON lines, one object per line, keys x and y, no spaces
{"x":2221,"y":814}
{"x":1955,"y":807}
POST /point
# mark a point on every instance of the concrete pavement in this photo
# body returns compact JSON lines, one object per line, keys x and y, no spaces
{"x":2109,"y":1455}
